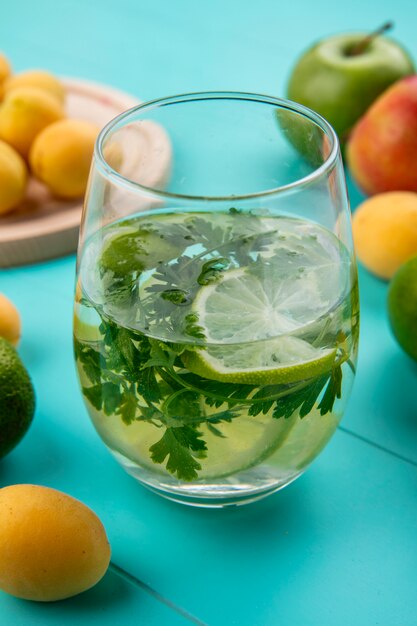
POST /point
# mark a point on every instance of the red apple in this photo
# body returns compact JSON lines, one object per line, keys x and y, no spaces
{"x":382,"y":148}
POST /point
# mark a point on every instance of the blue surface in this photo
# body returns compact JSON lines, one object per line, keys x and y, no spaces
{"x":337,"y":546}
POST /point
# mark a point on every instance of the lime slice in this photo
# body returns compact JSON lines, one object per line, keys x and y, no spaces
{"x":305,"y":441}
{"x":281,"y":360}
{"x":117,"y":258}
{"x":246,"y":441}
{"x":86,"y":322}
{"x":259,"y":313}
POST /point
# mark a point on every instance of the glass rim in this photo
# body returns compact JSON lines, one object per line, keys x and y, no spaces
{"x":121,"y":181}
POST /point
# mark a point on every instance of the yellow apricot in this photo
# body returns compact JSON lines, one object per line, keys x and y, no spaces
{"x":24,"y":112}
{"x":52,"y":546}
{"x":385,"y":231}
{"x":13,"y":178}
{"x":9,"y":320}
{"x":61,"y":156}
{"x":5,"y":71}
{"x":36,"y":78}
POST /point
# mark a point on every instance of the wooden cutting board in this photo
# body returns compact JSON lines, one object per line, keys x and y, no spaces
{"x":44,"y":227}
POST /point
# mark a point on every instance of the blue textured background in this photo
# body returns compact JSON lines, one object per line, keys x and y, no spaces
{"x":338,"y":546}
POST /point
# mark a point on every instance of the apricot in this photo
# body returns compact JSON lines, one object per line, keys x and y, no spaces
{"x":24,"y":112}
{"x":5,"y":71}
{"x":61,"y":156}
{"x":13,"y":178}
{"x":10,"y":325}
{"x":385,"y":231}
{"x":40,"y":79}
{"x":52,"y":546}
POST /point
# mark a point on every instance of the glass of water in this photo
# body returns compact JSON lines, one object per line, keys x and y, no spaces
{"x":216,"y":312}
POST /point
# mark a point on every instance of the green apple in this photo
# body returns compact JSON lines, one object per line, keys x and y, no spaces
{"x":341,"y":76}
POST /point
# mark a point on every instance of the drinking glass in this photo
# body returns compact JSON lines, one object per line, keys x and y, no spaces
{"x":216,"y":312}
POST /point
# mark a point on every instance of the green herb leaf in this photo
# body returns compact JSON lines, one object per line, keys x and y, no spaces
{"x":306,"y":397}
{"x":106,"y":396}
{"x":211,"y":270}
{"x":184,"y":405}
{"x":192,"y":328}
{"x":333,"y":391}
{"x":93,"y":395}
{"x":176,"y":296}
{"x":178,"y":444}
{"x":90,"y":359}
{"x":148,"y":386}
{"x":111,"y":397}
{"x":128,"y":408}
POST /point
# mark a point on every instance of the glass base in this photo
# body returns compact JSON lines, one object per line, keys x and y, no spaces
{"x":213,"y":502}
{"x":231,"y":491}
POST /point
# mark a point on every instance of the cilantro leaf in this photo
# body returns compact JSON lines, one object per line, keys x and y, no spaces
{"x":333,"y":391}
{"x":178,"y":444}
{"x":183,"y":402}
{"x":127,"y":408}
{"x":122,"y":355}
{"x":212,"y":269}
{"x":106,"y":396}
{"x":160,"y":355}
{"x":111,"y":397}
{"x":93,"y":395}
{"x":304,"y":399}
{"x":191,"y":328}
{"x":148,"y":386}
{"x":90,"y":359}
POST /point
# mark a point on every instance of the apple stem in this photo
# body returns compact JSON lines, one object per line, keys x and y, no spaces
{"x":361,"y":46}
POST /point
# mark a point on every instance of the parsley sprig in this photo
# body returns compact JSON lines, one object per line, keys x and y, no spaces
{"x":132,"y":377}
{"x":135,"y":378}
